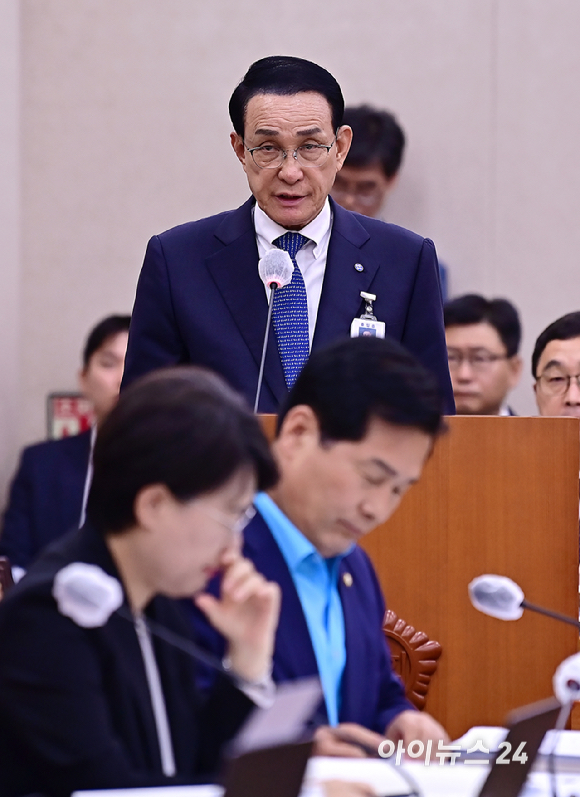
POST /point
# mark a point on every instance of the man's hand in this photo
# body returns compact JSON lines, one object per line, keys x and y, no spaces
{"x":246,"y":614}
{"x":341,"y":788}
{"x":409,"y":726}
{"x":347,"y":740}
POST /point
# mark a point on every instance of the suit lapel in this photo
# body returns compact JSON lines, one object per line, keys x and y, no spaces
{"x":234,"y":269}
{"x":353,"y":682}
{"x":121,"y":636}
{"x":294,"y":655}
{"x":340,"y":300}
{"x":76,"y":453}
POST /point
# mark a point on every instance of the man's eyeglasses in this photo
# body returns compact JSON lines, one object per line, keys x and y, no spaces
{"x":237,"y":526}
{"x":556,"y":383}
{"x":367,"y":195}
{"x":307,"y":155}
{"x":478,"y":360}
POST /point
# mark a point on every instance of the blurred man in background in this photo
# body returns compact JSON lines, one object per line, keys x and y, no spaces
{"x":50,"y":488}
{"x":371,"y":169}
{"x":483,"y":339}
{"x":556,"y":367}
{"x":372,"y":165}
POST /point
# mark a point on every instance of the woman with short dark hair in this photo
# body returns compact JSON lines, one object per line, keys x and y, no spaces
{"x":85,"y":705}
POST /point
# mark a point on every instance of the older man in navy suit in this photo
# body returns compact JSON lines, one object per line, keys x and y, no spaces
{"x":354,"y":435}
{"x":200,"y":298}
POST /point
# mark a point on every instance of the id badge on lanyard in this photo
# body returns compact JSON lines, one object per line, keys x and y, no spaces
{"x":367,"y":325}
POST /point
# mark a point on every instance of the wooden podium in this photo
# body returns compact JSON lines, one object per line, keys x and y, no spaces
{"x":499,"y":495}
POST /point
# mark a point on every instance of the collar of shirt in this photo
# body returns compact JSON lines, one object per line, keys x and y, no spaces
{"x":294,"y":546}
{"x":316,"y":582}
{"x":318,"y":231}
{"x":504,"y":411}
{"x":311,"y":259}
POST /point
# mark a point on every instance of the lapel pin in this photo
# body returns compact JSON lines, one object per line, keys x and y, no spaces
{"x":359,"y":267}
{"x":347,"y":579}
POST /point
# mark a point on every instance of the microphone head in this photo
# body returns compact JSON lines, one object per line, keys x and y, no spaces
{"x":276,"y":267}
{"x":86,"y":594}
{"x":566,"y":680}
{"x":497,"y":596}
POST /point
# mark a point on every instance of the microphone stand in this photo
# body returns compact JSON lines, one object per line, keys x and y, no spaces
{"x":549,"y":613}
{"x":273,"y":286}
{"x":179,"y":642}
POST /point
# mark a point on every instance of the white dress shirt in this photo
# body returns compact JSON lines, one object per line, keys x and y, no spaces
{"x":311,"y":258}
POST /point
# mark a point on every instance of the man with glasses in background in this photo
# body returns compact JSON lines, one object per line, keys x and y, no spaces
{"x":372,"y":165}
{"x":371,"y":168}
{"x":556,"y":367}
{"x":483,"y":338}
{"x":200,"y":298}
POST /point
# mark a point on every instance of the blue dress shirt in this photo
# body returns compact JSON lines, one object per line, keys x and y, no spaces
{"x":316,"y":581}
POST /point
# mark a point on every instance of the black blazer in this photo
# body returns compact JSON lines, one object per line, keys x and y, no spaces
{"x":75,"y":708}
{"x":200,"y":299}
{"x":46,"y":496}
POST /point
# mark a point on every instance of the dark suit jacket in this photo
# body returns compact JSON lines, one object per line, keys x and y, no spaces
{"x":200,"y":299}
{"x":75,"y":708}
{"x":46,"y":496}
{"x":372,"y":695}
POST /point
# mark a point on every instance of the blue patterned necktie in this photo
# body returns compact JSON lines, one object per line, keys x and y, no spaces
{"x":290,"y":313}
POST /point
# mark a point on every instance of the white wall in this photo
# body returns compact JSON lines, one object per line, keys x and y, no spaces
{"x":125,"y":133}
{"x":10,"y":237}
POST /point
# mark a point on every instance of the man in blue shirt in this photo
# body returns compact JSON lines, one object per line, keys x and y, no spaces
{"x":353,"y":436}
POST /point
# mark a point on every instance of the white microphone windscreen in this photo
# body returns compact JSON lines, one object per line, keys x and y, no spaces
{"x":497,"y":596}
{"x":86,"y":594}
{"x":276,"y":267}
{"x":566,"y":680}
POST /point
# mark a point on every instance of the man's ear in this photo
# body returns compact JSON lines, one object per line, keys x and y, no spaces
{"x":343,"y":142}
{"x":299,"y":430}
{"x":516,"y":364}
{"x":392,"y":183}
{"x":150,"y":503}
{"x":81,"y":378}
{"x":238,"y":146}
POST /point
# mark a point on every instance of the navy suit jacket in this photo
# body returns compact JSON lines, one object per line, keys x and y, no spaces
{"x":75,"y":705}
{"x":372,"y":695}
{"x":46,"y":496}
{"x":200,"y":299}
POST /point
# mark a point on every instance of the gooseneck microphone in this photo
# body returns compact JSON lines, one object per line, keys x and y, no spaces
{"x":89,"y":596}
{"x":275,"y":270}
{"x":501,"y":597}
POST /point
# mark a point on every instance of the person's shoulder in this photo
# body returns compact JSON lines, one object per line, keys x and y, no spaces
{"x":32,"y":589}
{"x":377,"y":230}
{"x":78,"y":545}
{"x":257,"y":535}
{"x":385,"y":229}
{"x":189,"y":228}
{"x":364,"y":576}
{"x":359,"y":563}
{"x":29,"y":613}
{"x":207,"y":225}
{"x":48,"y":449}
{"x":357,"y":556}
